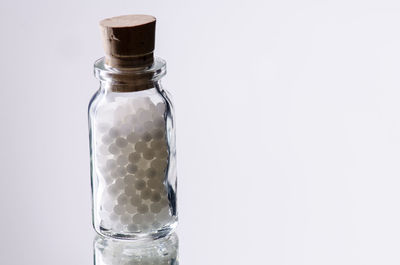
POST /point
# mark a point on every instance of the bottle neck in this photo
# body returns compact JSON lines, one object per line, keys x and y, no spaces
{"x":138,"y":61}
{"x":129,"y":79}
{"x":133,"y":86}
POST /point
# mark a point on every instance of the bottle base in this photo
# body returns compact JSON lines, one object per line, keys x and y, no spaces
{"x":152,"y":235}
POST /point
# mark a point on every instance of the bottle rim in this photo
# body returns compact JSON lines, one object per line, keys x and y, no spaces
{"x":152,"y":73}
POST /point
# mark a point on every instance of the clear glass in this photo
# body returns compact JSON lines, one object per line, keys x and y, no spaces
{"x":109,"y":251}
{"x":132,"y":150}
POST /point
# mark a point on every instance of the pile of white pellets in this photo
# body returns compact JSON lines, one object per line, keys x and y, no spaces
{"x":130,"y":163}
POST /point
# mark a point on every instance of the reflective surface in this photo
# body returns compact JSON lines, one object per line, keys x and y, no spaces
{"x":163,"y":251}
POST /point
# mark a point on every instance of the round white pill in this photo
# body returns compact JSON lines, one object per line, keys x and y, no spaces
{"x":143,"y":163}
{"x":130,"y":179}
{"x":134,"y":157}
{"x":163,"y":154}
{"x":102,"y":127}
{"x":136,"y":200}
{"x":113,"y":190}
{"x":114,"y":132}
{"x":113,"y":149}
{"x":123,"y":199}
{"x":121,"y":142}
{"x":164,"y":203}
{"x":137,"y":219}
{"x":159,"y":164}
{"x":159,"y":122}
{"x":148,"y":126}
{"x":126,"y":129}
{"x":108,"y":205}
{"x":148,"y":218}
{"x":133,"y":137}
{"x":164,"y":215}
{"x":154,"y":183}
{"x":155,"y":196}
{"x":140,"y":174}
{"x":151,"y":172}
{"x":158,"y":134}
{"x":155,"y":207}
{"x":130,"y":190}
{"x":131,"y":119}
{"x":121,"y":171}
{"x":122,"y":160}
{"x":160,"y":107}
{"x":119,"y":209}
{"x":131,"y":168}
{"x":157,"y":225}
{"x":103,"y":150}
{"x":143,"y":208}
{"x":130,"y":208}
{"x":141,"y":146}
{"x":157,"y":144}
{"x":145,"y":194}
{"x":147,"y":137}
{"x":111,"y":164}
{"x":119,"y":183}
{"x":132,"y":228}
{"x":126,"y":219}
{"x":144,"y":115}
{"x":140,"y":184}
{"x":148,"y":154}
{"x":114,"y":217}
{"x":106,"y":139}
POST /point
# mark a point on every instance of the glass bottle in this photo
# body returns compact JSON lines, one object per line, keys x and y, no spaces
{"x":132,"y":140}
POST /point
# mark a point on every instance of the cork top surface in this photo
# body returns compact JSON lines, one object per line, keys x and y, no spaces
{"x":127,"y":21}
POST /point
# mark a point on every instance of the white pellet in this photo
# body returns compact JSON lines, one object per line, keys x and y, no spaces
{"x":134,"y":157}
{"x":145,"y":194}
{"x":121,"y":142}
{"x":133,"y":137}
{"x":106,"y":139}
{"x":141,"y":146}
{"x":113,"y":149}
{"x":114,"y":132}
{"x":126,"y":219}
{"x":151,"y":172}
{"x":155,"y":207}
{"x":155,"y":197}
{"x":147,"y":137}
{"x":122,"y":160}
{"x":111,"y":164}
{"x":148,"y":154}
{"x":130,"y":190}
{"x":158,"y":134}
{"x":131,"y":168}
{"x":136,"y":200}
{"x":119,"y":209}
{"x":130,"y":208}
{"x":123,"y":199}
{"x":143,"y":208}
{"x":133,"y":228}
{"x":130,"y":179}
{"x":140,"y":184}
{"x":137,"y":219}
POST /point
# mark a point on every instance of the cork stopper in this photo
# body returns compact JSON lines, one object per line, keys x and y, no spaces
{"x":128,"y":40}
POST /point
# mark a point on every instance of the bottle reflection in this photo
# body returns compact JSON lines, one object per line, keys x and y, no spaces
{"x":108,"y":251}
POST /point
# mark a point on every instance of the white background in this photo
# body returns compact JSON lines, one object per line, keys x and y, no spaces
{"x":288,"y":128}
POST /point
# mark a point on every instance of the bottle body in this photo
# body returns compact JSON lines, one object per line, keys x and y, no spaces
{"x":133,"y":161}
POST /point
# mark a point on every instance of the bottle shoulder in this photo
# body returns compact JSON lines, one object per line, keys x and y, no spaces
{"x":110,"y":100}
